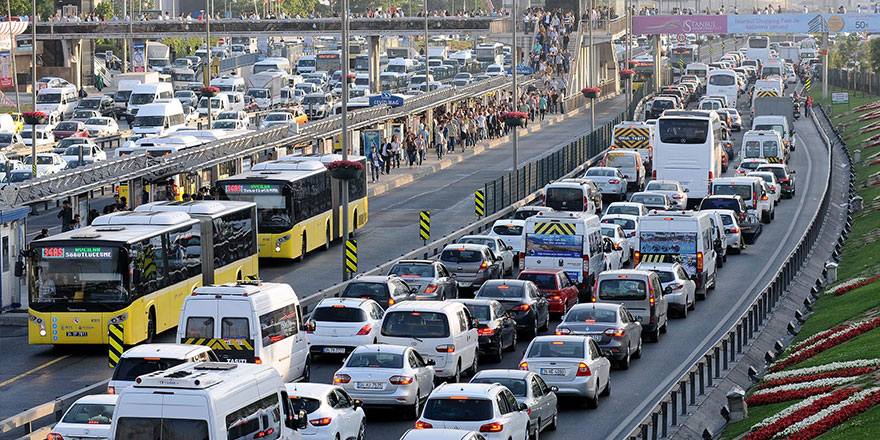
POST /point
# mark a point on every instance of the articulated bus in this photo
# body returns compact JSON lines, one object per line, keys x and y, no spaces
{"x":298,"y":204}
{"x":134,"y":268}
{"x":687,"y":148}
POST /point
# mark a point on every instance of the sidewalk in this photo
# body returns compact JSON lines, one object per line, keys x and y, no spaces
{"x":402,"y":176}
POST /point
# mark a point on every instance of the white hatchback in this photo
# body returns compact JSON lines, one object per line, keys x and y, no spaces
{"x":490,"y":409}
{"x":332,"y":414}
{"x":511,"y":232}
{"x":338,"y":325}
{"x":89,"y":417}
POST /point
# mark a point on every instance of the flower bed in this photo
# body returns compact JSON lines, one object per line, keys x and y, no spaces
{"x":840,"y":336}
{"x":769,"y":427}
{"x":823,"y":368}
{"x":846,"y":372}
{"x":822,"y":421}
{"x":853,"y":285}
{"x":784,"y":393}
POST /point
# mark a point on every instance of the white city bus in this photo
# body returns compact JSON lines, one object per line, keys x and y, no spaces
{"x":687,"y":148}
{"x":723,"y":83}
{"x":758,"y":48}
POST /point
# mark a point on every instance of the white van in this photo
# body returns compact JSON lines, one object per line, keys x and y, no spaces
{"x":685,"y":237}
{"x":764,"y":144}
{"x":236,"y":100}
{"x":219,"y":104}
{"x":751,"y":189}
{"x":568,"y":241}
{"x":159,"y":118}
{"x":59,"y":102}
{"x":229,"y":83}
{"x":777,"y":123}
{"x":305,"y":64}
{"x":147,"y":358}
{"x":442,"y":331}
{"x":167,"y":145}
{"x":144,"y":94}
{"x":249,"y":322}
{"x":568,"y":195}
{"x":207,"y":400}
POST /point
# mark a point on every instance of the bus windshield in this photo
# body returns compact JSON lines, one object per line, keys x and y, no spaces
{"x":77,"y":275}
{"x":273,"y":214}
{"x":683,"y":131}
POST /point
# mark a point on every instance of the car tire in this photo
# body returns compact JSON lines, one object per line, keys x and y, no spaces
{"x":765,"y":218}
{"x":684,"y":311}
{"x":594,"y":402}
{"x":530,"y":333}
{"x":456,"y":378}
{"x":736,"y":251}
{"x":623,"y":364}
{"x":499,"y":356}
{"x":654,"y":336}
{"x":546,"y":323}
{"x":362,"y":431}
{"x":719,"y":262}
{"x":638,"y":352}
{"x":607,"y":391}
{"x":665,"y":326}
{"x":415,"y":410}
{"x":512,"y":346}
{"x":536,"y":435}
{"x":554,"y":423}
{"x":475,"y":367}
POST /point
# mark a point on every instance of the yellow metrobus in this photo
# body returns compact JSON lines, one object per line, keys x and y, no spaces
{"x":299,"y":206}
{"x":134,"y":268}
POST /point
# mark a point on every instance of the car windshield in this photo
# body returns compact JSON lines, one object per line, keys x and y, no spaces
{"x":227,"y":115}
{"x":276,"y":117}
{"x":149,"y":121}
{"x":90,"y":103}
{"x":622,"y":290}
{"x":600,"y":172}
{"x":564,"y":199}
{"x":719,"y":203}
{"x":66,"y":142}
{"x":744,"y":191}
{"x":516,"y":386}
{"x":74,"y":150}
{"x":183,"y":94}
{"x":376,"y":291}
{"x":41,"y":160}
{"x":591,"y":315}
{"x":49,"y":98}
{"x":67,"y":126}
{"x":648,"y":199}
{"x":6,"y":138}
{"x":313,"y":100}
{"x":89,"y":414}
{"x":461,"y":256}
{"x":501,"y":291}
{"x":412,"y":270}
{"x":375,"y":359}
{"x":775,"y":127}
{"x":458,"y":409}
{"x":623,"y":209}
{"x":130,"y":368}
{"x":556,"y":349}
{"x":507,"y":230}
{"x":141,"y":98}
{"x":258,"y":93}
{"x":307,"y":404}
{"x":339,"y":313}
{"x":97,"y":121}
{"x":224,"y":124}
{"x":405,"y":324}
{"x":661,"y":186}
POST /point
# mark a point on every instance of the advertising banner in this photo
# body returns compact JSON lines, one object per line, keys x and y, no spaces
{"x":755,"y":24}
{"x":668,"y":242}
{"x":554,"y":246}
{"x":372,"y":138}
{"x":138,"y":58}
{"x":5,"y":69}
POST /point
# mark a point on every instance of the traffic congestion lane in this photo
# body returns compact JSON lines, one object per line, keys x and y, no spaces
{"x":637,"y":390}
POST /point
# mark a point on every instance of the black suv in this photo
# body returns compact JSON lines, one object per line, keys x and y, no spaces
{"x":749,"y":223}
{"x":784,"y":175}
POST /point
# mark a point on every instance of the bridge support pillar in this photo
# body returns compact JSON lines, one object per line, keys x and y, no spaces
{"x":656,"y":45}
{"x":373,"y":53}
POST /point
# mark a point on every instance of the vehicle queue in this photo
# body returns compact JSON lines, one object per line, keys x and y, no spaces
{"x":613,"y":275}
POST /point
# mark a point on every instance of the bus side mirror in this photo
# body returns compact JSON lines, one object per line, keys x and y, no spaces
{"x":19,"y":269}
{"x":136,"y":276}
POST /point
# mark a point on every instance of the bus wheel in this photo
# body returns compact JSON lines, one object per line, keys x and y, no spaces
{"x":327,"y":243}
{"x":302,"y":255}
{"x":151,"y":325}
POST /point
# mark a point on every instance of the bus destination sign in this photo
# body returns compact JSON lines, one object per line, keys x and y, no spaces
{"x":252,"y":188}
{"x":90,"y":252}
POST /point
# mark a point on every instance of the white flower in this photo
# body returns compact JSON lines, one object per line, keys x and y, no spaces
{"x":833,"y":366}
{"x":819,"y":341}
{"x":815,"y":418}
{"x":788,"y":411}
{"x":827,"y":382}
{"x":847,"y":283}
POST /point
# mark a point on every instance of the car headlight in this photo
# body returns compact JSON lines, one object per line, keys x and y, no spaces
{"x":281,"y":240}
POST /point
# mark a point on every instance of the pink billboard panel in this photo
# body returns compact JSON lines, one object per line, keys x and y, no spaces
{"x":679,"y":24}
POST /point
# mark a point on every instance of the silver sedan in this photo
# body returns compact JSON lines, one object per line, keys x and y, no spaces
{"x":618,"y":334}
{"x":528,"y":388}
{"x":430,"y":279}
{"x":672,"y":189}
{"x":387,"y":375}
{"x":610,"y":181}
{"x":678,"y":288}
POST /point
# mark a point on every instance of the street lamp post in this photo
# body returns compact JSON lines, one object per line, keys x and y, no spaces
{"x":345,"y":134}
{"x":12,"y":51}
{"x":429,"y":115}
{"x":592,"y":64}
{"x":33,"y":84}
{"x":207,"y":71}
{"x":515,"y":52}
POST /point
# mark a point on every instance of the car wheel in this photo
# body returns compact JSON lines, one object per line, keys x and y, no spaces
{"x":684,"y":311}
{"x":654,"y":336}
{"x":302,"y":256}
{"x":607,"y":391}
{"x":719,"y":262}
{"x":693,"y":304}
{"x":554,"y":423}
{"x":327,"y":239}
{"x":151,"y":326}
{"x":475,"y":366}
{"x":532,"y":332}
{"x":456,"y":378}
{"x":512,"y":346}
{"x":499,"y":350}
{"x":736,"y":250}
{"x":546,"y":322}
{"x":765,"y":218}
{"x":594,"y":402}
{"x":415,"y":410}
{"x":536,"y":433}
{"x":638,"y":353}
{"x":663,"y":328}
{"x":362,"y":431}
{"x":623,"y":364}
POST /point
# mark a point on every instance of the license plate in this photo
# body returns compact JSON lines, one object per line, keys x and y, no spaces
{"x":553,"y":371}
{"x":463,"y":284}
{"x":334,"y":350}
{"x":369,"y":386}
{"x":77,"y":334}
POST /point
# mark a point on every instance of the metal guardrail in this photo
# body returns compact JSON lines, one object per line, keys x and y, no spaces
{"x":239,"y":61}
{"x":56,"y":408}
{"x":716,"y":359}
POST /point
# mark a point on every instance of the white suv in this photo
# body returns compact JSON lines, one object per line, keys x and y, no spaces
{"x":490,"y":409}
{"x":338,"y":325}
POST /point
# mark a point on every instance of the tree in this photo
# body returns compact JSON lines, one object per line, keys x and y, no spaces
{"x":875,"y":54}
{"x":104,"y":9}
{"x":45,"y":8}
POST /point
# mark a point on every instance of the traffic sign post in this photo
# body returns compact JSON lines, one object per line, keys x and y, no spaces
{"x":479,"y":203}
{"x":115,"y":338}
{"x":351,"y":256}
{"x":425,"y":226}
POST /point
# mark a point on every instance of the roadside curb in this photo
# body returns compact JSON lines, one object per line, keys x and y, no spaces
{"x":454,"y":158}
{"x":14,"y":318}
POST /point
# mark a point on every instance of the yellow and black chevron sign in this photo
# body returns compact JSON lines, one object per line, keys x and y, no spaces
{"x":351,"y":256}
{"x":115,"y":337}
{"x":555,"y":228}
{"x":479,"y":203}
{"x":425,"y":225}
{"x":772,"y":159}
{"x":808,"y":85}
{"x":656,"y":258}
{"x":632,"y":137}
{"x":222,"y":344}
{"x":681,"y":63}
{"x":767,"y":94}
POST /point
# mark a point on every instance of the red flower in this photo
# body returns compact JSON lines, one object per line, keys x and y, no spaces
{"x":595,"y":90}
{"x":209,"y":89}
{"x":785,"y":396}
{"x":807,"y":353}
{"x":846,"y":372}
{"x":862,"y":283}
{"x":513,"y":115}
{"x":767,"y":432}
{"x":627,"y":72}
{"x":33,"y":115}
{"x":344,"y":164}
{"x":834,"y":419}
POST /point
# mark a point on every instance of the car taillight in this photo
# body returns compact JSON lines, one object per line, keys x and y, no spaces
{"x":784,"y":179}
{"x":323,"y":421}
{"x":742,"y":216}
{"x":699,"y":261}
{"x":583,"y":369}
{"x":754,"y":196}
{"x":654,"y":174}
{"x":586,"y":203}
{"x":445,"y":348}
{"x":637,"y":256}
{"x":615,"y":332}
{"x":734,"y":231}
{"x":492,"y":427}
{"x":544,"y":200}
{"x":764,"y":198}
{"x":614,"y":181}
{"x":522,"y":308}
{"x":53,"y":436}
{"x":390,"y":301}
{"x":111,"y":390}
{"x":341,"y":378}
{"x":257,"y":360}
{"x":676,"y":286}
{"x":524,"y":366}
{"x":484,"y":265}
{"x":423,"y":425}
{"x":365,"y":330}
{"x":651,"y":300}
{"x":401,"y":380}
{"x":586,"y":266}
{"x":563,"y":331}
{"x":431,"y":288}
{"x":676,"y":196}
{"x":486,"y":331}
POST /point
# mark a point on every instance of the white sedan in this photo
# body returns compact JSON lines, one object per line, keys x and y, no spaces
{"x":277,"y":118}
{"x":609,"y":180}
{"x":680,"y":291}
{"x":47,"y":163}
{"x":332,"y":414}
{"x":672,"y":189}
{"x":44,"y":136}
{"x":573,"y":364}
{"x":498,"y":247}
{"x":511,"y":232}
{"x":89,"y":417}
{"x":89,"y":151}
{"x":620,"y":239}
{"x":101,"y":126}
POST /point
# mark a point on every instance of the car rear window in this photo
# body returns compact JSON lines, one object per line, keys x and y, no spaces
{"x":648,"y":199}
{"x":404,"y":324}
{"x":90,"y":413}
{"x":779,"y":172}
{"x":144,"y":428}
{"x":665,"y":276}
{"x":619,"y":160}
{"x":130,"y":368}
{"x":375,"y":359}
{"x":544,"y":281}
{"x":306,"y":404}
{"x":339,"y":314}
{"x":462,"y":409}
{"x":744,"y":191}
{"x":660,"y":186}
{"x":622,"y":290}
{"x":516,"y":386}
{"x":508,"y":229}
{"x":413,"y":270}
{"x":500,"y":291}
{"x":623,"y":209}
{"x":564,"y":199}
{"x":590,"y":315}
{"x":720,"y":204}
{"x":376,"y":291}
{"x":524,"y":214}
{"x":751,"y":166}
{"x":461,"y":256}
{"x":556,"y":349}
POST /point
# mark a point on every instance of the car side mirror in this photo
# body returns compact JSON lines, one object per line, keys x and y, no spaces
{"x":453,"y":275}
{"x":413,"y":290}
{"x":687,"y":190}
{"x":667,"y":290}
{"x":499,"y":259}
{"x":510,"y":248}
{"x":430,"y":362}
{"x":792,"y":172}
{"x":523,"y":407}
{"x":357,"y":403}
{"x":310,"y":325}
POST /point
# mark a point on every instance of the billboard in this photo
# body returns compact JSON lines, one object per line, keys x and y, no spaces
{"x":755,"y":24}
{"x":5,"y":69}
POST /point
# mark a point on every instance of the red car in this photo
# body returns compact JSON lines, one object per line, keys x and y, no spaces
{"x":70,"y":129}
{"x":560,"y":291}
